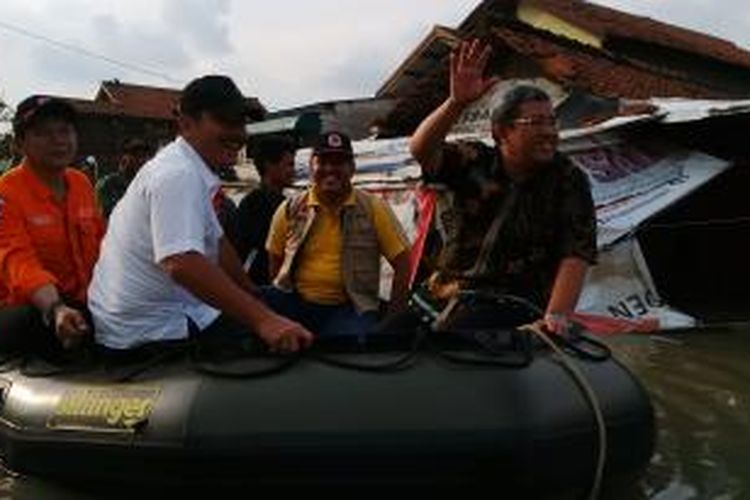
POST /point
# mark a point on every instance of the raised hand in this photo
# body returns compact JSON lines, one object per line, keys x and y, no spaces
{"x":467,"y":65}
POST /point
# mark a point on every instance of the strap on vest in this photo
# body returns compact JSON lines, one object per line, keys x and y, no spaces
{"x":485,"y":252}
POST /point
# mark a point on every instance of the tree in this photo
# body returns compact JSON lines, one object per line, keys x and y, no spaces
{"x":6,"y":149}
{"x":6,"y":141}
{"x":5,"y":111}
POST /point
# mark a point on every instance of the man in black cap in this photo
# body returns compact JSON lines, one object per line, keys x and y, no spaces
{"x":325,"y":246}
{"x":166,"y":269}
{"x":50,"y":230}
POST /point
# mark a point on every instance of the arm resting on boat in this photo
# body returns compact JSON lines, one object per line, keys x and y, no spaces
{"x":68,"y":324}
{"x":211,"y":284}
{"x":568,"y":285}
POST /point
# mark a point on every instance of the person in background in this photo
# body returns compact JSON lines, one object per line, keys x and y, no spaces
{"x":90,"y":167}
{"x":274,"y":161}
{"x":50,"y":231}
{"x":109,"y":189}
{"x":226,"y":212}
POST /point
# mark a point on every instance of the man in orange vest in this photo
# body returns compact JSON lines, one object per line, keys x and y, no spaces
{"x":50,"y":230}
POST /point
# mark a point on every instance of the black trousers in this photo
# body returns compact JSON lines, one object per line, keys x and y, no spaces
{"x":22,"y":330}
{"x":224,"y":332}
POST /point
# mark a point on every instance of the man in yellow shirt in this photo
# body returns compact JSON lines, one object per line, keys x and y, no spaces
{"x":325,"y":245}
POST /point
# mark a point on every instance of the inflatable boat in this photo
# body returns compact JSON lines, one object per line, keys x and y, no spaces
{"x":428,"y":409}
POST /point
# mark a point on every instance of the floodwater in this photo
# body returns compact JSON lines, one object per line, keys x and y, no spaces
{"x":700,"y":388}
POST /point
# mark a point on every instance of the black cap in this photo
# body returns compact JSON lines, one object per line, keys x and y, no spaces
{"x":34,"y":108}
{"x":333,"y":143}
{"x":216,"y":95}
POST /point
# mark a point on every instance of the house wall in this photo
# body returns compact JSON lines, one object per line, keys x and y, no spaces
{"x":540,"y":19}
{"x":697,"y":250}
{"x":356,"y":118}
{"x":102,"y":136}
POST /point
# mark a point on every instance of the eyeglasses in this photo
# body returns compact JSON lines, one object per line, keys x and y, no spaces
{"x":537,"y":121}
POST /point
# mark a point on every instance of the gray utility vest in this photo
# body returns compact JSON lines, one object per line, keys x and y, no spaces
{"x":360,"y":251}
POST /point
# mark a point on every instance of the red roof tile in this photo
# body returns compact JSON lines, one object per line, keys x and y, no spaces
{"x":116,"y":98}
{"x":559,"y":59}
{"x":140,"y":100}
{"x":577,"y":65}
{"x":610,"y":23}
{"x":436,"y":44}
{"x":87,"y":107}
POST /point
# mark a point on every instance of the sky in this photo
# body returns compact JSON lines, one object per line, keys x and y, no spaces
{"x":286,"y":52}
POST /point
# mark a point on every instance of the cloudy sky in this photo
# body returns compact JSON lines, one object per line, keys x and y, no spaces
{"x":287,"y":52}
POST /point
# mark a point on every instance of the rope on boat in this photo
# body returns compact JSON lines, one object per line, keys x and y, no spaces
{"x":588,"y":392}
{"x":403,"y":362}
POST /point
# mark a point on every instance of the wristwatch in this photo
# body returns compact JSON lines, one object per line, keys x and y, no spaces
{"x":48,"y":317}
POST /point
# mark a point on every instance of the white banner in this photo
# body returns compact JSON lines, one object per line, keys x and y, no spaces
{"x":620,"y":286}
{"x":630,"y":184}
{"x":403,"y":202}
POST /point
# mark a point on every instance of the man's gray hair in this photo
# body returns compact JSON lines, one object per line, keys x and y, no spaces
{"x":508,"y":109}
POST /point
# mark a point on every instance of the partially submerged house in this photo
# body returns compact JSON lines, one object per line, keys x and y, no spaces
{"x":598,"y":56}
{"x":669,"y":193}
{"x":653,"y":113}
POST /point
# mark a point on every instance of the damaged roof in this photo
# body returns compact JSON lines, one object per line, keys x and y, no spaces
{"x":572,"y":64}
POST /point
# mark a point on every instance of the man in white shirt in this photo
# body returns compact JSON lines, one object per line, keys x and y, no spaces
{"x":165,"y":265}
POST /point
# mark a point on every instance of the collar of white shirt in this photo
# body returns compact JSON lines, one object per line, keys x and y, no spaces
{"x":210,"y":179}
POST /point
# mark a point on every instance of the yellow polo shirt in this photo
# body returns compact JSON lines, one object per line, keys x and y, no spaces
{"x":318,"y":277}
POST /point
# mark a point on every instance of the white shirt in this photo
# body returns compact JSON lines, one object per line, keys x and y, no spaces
{"x":167,"y":210}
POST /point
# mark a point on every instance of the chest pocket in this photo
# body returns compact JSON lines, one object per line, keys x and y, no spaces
{"x":45,"y":228}
{"x":361,"y":245}
{"x":362,"y":238}
{"x":361,"y":231}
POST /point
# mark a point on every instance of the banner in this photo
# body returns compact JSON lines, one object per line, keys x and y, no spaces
{"x":631,"y":183}
{"x":620,"y":286}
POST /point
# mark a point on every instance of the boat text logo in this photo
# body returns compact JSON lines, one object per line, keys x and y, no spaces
{"x":104,"y":408}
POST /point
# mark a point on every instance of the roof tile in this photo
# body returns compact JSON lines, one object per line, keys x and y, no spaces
{"x":611,"y":23}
